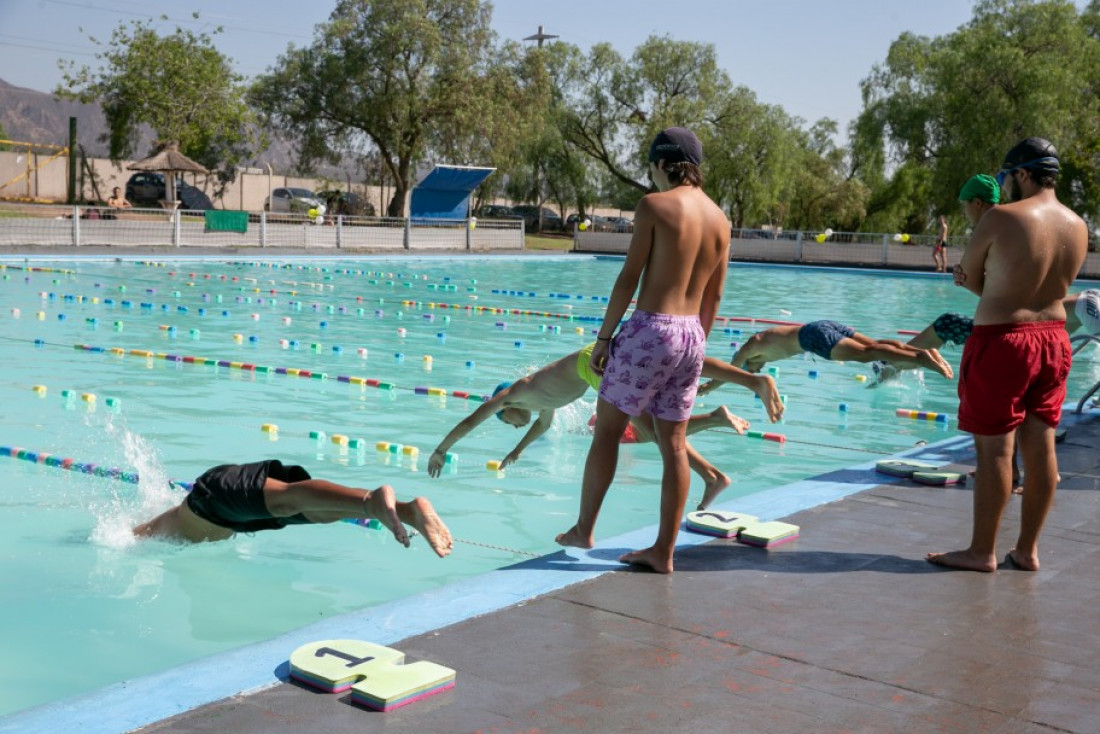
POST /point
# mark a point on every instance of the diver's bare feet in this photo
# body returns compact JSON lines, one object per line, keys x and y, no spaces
{"x":574,"y":538}
{"x":931,"y":359}
{"x":651,"y":558}
{"x":1016,"y":560}
{"x":723,"y":415}
{"x":428,"y":524}
{"x":964,"y":560}
{"x":382,"y":506}
{"x":713,"y":487}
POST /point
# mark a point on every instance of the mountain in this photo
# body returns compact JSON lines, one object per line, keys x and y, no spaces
{"x":37,"y":117}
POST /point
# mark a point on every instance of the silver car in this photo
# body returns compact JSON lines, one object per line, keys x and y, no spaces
{"x":292,"y":200}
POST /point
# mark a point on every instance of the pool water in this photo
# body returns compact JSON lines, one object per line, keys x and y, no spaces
{"x":84,"y":605}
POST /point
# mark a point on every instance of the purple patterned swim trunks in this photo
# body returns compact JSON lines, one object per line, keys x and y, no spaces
{"x":654,"y":366}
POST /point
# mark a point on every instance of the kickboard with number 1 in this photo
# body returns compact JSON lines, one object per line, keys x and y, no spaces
{"x":376,"y":675}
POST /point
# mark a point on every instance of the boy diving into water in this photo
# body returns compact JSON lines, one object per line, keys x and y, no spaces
{"x":561,"y":382}
{"x":267,"y":495}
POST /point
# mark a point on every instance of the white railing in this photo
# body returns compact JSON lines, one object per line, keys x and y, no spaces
{"x":96,"y":226}
{"x":839,"y":248}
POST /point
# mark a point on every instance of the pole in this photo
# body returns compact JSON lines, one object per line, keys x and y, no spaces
{"x":71,"y":194}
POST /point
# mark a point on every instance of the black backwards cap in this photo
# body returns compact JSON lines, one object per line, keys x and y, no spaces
{"x":1034,"y":153}
{"x":676,"y":144}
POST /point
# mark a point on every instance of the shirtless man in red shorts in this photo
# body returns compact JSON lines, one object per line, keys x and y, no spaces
{"x":679,"y":253}
{"x":1012,"y":382}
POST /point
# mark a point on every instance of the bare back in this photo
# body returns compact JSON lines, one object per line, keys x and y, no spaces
{"x":1036,"y":247}
{"x":690,"y":240}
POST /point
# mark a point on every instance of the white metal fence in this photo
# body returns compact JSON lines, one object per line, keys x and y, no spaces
{"x":46,"y":226}
{"x":839,"y":248}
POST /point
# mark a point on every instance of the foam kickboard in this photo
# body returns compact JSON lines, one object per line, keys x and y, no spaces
{"x":719,"y":523}
{"x":376,"y":675}
{"x":767,"y":534}
{"x":903,"y":468}
{"x":939,"y":478}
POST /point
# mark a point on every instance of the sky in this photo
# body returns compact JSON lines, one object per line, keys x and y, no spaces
{"x":807,"y":56}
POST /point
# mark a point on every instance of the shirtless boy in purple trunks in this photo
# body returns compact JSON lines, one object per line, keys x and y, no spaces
{"x":679,"y":252}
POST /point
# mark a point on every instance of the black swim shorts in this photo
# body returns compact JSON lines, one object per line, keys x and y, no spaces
{"x":232,"y":496}
{"x":819,"y":337}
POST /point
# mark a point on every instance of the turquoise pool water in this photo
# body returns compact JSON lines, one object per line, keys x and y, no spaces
{"x":77,"y":588}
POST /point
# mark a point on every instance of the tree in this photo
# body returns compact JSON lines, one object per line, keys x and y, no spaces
{"x":615,"y":106}
{"x":399,"y":75}
{"x":179,"y":85}
{"x":952,"y":106}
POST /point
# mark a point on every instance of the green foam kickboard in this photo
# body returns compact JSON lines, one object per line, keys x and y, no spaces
{"x":719,"y":523}
{"x":768,"y":533}
{"x":903,"y":467}
{"x":939,"y":478}
{"x":377,"y":675}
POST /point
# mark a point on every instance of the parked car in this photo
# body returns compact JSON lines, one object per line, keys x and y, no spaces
{"x":292,"y":200}
{"x":551,"y":222}
{"x":496,"y":211}
{"x":620,"y":224}
{"x":347,"y":203}
{"x":148,"y":189}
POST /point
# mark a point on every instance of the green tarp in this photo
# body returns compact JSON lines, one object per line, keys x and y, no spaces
{"x":218,"y":220}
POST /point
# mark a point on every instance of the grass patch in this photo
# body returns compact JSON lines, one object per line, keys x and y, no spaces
{"x":560,"y":243}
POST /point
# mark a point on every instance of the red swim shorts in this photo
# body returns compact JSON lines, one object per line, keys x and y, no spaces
{"x":1009,"y":371}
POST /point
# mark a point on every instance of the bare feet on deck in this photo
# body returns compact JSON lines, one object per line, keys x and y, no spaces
{"x":573,"y":538}
{"x":428,"y":524}
{"x":1019,"y":562}
{"x":713,"y":487}
{"x":726,"y":418}
{"x":649,"y":558}
{"x":382,"y":506}
{"x":933,"y":360}
{"x":964,"y":560}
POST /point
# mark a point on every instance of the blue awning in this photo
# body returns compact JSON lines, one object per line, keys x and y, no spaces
{"x":445,"y":192}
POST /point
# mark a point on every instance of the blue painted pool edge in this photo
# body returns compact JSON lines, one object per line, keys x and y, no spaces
{"x":136,"y":703}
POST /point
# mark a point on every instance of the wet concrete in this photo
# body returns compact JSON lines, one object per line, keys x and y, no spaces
{"x":847,"y":629}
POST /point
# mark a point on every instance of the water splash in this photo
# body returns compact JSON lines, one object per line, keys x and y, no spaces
{"x":116,"y":517}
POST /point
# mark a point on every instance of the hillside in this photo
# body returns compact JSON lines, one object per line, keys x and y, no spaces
{"x":39,"y":117}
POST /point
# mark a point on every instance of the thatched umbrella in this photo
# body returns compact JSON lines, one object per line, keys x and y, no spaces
{"x":168,"y":161}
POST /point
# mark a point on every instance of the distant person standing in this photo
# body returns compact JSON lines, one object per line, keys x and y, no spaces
{"x":679,"y":252}
{"x":939,"y":252}
{"x":1012,"y":382}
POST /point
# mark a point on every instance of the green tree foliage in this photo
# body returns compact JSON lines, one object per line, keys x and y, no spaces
{"x":939,"y":110}
{"x":179,"y":85}
{"x":403,"y":76}
{"x":616,"y":106}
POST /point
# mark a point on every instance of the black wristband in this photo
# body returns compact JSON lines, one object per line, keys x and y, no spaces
{"x":603,"y":338}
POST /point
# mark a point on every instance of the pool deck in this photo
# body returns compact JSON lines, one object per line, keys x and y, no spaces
{"x":847,"y":629}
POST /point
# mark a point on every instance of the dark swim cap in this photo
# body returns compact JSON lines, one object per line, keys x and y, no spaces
{"x":1034,"y":153}
{"x":497,"y":389}
{"x":675,"y":145}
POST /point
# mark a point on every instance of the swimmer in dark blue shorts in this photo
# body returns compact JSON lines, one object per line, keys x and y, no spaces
{"x":833,"y":341}
{"x":267,"y":495}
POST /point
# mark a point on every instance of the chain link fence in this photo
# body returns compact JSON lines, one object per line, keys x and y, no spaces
{"x":855,"y":249}
{"x":79,"y":226}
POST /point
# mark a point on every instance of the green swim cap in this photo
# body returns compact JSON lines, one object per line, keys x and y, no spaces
{"x":982,"y":187}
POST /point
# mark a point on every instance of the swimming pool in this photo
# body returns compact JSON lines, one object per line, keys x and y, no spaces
{"x":75,"y":585}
